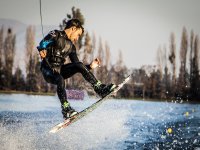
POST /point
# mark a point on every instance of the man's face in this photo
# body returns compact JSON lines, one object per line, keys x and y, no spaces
{"x":75,"y":34}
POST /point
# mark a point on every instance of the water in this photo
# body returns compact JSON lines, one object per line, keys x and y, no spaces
{"x":25,"y":122}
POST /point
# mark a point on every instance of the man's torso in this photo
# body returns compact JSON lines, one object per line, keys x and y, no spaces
{"x":60,"y":48}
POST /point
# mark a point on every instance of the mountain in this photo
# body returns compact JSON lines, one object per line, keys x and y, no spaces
{"x":19,"y":29}
{"x":13,"y":24}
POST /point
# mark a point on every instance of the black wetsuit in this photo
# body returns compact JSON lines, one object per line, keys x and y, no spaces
{"x":54,"y":70}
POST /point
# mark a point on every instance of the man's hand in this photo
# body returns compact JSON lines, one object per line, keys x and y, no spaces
{"x":43,"y":53}
{"x":95,"y":63}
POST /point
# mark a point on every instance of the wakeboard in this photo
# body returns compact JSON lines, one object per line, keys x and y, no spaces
{"x":89,"y":109}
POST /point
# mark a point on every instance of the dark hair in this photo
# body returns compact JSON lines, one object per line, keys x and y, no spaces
{"x":74,"y":23}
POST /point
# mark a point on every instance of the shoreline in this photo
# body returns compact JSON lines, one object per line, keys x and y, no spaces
{"x":134,"y":98}
{"x":28,"y":93}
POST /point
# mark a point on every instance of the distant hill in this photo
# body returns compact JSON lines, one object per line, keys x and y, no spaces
{"x":15,"y":25}
{"x":19,"y":29}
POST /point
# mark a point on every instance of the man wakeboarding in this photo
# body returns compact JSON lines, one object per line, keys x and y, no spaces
{"x":54,"y":49}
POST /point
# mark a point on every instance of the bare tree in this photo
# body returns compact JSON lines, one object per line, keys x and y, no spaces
{"x":1,"y":48}
{"x":183,"y":54}
{"x":30,"y":52}
{"x":101,"y":52}
{"x":107,"y":55}
{"x":195,"y":81}
{"x":160,"y":60}
{"x":2,"y":73}
{"x":9,"y":53}
{"x":172,"y":59}
{"x":31,"y":60}
{"x":192,"y":38}
{"x":93,"y":45}
{"x":87,"y":49}
{"x":100,"y":74}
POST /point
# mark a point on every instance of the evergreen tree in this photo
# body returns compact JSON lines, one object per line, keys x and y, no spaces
{"x":137,"y":82}
{"x":153,"y":83}
{"x":18,"y":81}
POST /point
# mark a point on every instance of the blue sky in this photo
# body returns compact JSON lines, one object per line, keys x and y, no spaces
{"x":136,"y":27}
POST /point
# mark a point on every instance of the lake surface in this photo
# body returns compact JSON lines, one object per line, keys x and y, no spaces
{"x":25,"y":122}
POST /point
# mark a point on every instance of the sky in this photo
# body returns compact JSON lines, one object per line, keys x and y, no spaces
{"x":136,"y":27}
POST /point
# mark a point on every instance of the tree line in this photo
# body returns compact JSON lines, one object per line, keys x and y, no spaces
{"x":175,"y":77}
